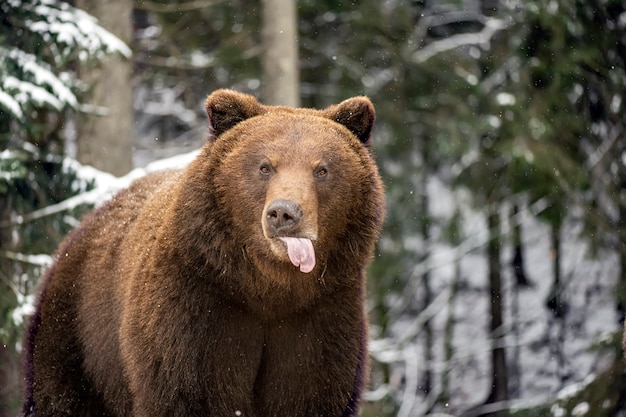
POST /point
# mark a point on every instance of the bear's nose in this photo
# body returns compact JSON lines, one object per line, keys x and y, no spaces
{"x":283,"y":217}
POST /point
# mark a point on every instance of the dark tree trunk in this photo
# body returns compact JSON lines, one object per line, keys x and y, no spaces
{"x":519,"y":270}
{"x":448,"y":347}
{"x":520,"y":281}
{"x":557,"y":304}
{"x":427,"y":378}
{"x":621,"y":239}
{"x":499,"y":381}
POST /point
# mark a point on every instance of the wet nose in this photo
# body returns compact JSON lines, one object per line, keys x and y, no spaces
{"x":283,"y":217}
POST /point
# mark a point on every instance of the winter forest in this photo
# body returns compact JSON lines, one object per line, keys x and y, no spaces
{"x":499,"y":285}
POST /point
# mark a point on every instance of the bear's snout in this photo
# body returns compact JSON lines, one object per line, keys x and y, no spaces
{"x":283,"y":217}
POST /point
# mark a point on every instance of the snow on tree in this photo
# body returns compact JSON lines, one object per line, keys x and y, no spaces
{"x":29,"y":76}
{"x":41,"y":41}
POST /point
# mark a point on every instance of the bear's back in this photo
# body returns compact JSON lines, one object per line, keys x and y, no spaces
{"x":83,"y":289}
{"x":99,"y":312}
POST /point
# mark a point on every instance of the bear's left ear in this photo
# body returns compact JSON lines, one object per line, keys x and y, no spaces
{"x":357,"y":114}
{"x":226,"y":108}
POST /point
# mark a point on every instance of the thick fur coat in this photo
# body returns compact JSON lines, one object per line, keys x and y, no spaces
{"x":234,"y":287}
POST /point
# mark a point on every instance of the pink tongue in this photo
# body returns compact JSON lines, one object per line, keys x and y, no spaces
{"x":300,"y":252}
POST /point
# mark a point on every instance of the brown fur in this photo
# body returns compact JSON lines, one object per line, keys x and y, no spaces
{"x":175,"y":300}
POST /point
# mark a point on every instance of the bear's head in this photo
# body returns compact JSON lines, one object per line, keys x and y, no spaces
{"x":296,"y":189}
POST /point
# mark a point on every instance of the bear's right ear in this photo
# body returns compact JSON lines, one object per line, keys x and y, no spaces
{"x":226,"y":108}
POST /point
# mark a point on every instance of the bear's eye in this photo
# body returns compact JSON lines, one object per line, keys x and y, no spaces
{"x":265,"y":169}
{"x":321,"y":172}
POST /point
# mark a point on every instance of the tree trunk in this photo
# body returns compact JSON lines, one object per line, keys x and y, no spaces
{"x":104,"y":141}
{"x":519,"y":269}
{"x":555,"y":301}
{"x":557,"y":304}
{"x":427,"y":378}
{"x":9,"y":360}
{"x":280,"y":56}
{"x":448,"y":346}
{"x":621,"y":284}
{"x":499,"y":382}
{"x":621,"y":238}
{"x":520,"y":281}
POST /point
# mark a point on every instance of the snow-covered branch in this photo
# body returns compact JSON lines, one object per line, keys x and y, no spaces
{"x":37,"y":260}
{"x":35,"y":79}
{"x":106,"y":186}
{"x":176,"y":7}
{"x":76,"y":31}
{"x":481,"y":38}
{"x":38,"y":85}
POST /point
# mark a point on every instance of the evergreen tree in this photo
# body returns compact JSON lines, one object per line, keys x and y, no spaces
{"x":40,"y":41}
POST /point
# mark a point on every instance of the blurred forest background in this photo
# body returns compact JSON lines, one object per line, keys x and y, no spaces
{"x":499,"y":285}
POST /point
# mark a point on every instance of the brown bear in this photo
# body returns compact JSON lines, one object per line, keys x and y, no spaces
{"x":234,"y":287}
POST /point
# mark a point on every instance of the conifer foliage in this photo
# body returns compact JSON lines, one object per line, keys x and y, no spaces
{"x":41,"y":42}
